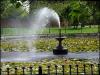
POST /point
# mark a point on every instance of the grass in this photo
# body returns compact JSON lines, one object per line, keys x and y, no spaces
{"x":22,"y":31}
{"x":72,"y":30}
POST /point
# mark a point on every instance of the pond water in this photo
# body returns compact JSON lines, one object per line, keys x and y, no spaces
{"x":32,"y":56}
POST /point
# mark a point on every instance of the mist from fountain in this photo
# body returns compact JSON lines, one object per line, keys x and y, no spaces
{"x":43,"y":17}
{"x":38,"y":20}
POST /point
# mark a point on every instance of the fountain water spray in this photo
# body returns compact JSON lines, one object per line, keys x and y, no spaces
{"x":38,"y":20}
{"x":41,"y":18}
{"x":45,"y":16}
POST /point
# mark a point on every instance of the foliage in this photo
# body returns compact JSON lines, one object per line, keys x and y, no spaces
{"x":77,"y":11}
{"x":73,"y":45}
{"x":71,"y":12}
{"x":12,"y":9}
{"x":14,"y":46}
{"x":44,"y":63}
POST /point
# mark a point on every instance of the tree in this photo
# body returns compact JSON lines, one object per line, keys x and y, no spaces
{"x":12,"y":8}
{"x":76,"y":12}
{"x":95,"y":11}
{"x":71,"y":12}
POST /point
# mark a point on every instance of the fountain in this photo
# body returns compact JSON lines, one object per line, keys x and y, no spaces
{"x":42,"y":17}
{"x":59,"y":49}
{"x":47,"y":16}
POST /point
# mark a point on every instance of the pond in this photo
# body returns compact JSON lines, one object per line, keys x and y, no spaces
{"x":31,"y":56}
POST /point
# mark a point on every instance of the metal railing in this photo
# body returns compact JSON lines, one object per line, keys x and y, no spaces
{"x":63,"y":72}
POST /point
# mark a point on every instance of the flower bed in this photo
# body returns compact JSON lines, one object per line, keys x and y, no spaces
{"x":42,"y":44}
{"x":44,"y":63}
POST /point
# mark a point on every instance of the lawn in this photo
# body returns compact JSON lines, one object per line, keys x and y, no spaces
{"x":54,"y":30}
{"x":72,"y":30}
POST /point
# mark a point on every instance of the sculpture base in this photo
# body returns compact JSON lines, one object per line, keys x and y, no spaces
{"x":60,"y":51}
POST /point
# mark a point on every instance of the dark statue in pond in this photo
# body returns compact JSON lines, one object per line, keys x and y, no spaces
{"x":59,"y":50}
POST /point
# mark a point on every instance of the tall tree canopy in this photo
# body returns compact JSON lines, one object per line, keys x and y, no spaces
{"x":72,"y":12}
